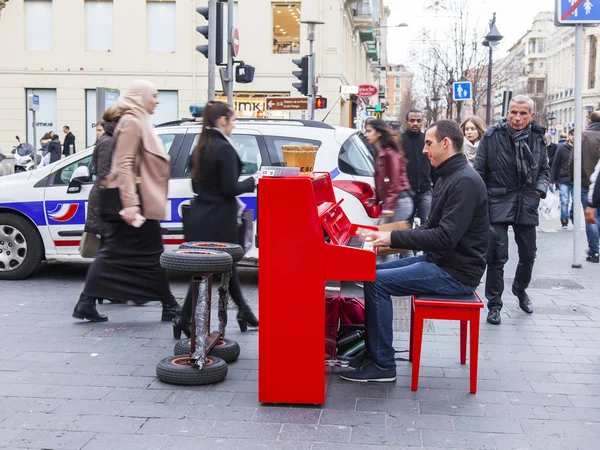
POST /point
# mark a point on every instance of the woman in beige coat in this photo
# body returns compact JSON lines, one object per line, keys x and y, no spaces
{"x":128,"y":264}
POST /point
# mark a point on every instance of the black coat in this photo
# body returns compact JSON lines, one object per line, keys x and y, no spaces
{"x":54,"y":149}
{"x":510,"y":202}
{"x":420,"y":172}
{"x":551,"y":152}
{"x":214,"y":212}
{"x":69,"y":140}
{"x":559,"y":172}
{"x":101,"y":161}
{"x":456,"y":235}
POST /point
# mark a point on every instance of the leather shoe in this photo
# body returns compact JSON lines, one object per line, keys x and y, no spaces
{"x":494,"y":317}
{"x":524,"y":300}
{"x":86,"y":309}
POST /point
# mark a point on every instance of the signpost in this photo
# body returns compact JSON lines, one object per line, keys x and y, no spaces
{"x":34,"y":107}
{"x":577,"y":13}
{"x":287,"y":103}
{"x":461,"y":91}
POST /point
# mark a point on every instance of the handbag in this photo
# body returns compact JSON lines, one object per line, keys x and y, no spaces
{"x":89,"y":245}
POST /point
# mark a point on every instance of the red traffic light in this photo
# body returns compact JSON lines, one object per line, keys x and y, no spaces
{"x":320,"y":103}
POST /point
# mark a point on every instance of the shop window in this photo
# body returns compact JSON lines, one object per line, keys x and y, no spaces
{"x":99,"y":26}
{"x":286,"y":28}
{"x":162,"y":23}
{"x":540,"y":86}
{"x":39,"y":30}
{"x":45,"y":117}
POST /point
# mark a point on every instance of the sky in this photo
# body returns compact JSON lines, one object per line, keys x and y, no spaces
{"x":513,"y":19}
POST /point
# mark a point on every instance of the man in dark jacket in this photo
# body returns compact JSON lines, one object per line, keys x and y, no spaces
{"x":559,"y":176}
{"x":69,"y":143}
{"x":454,"y":239}
{"x":54,"y":148}
{"x":513,"y":162}
{"x":552,"y":147}
{"x":590,"y":155}
{"x":420,"y":172}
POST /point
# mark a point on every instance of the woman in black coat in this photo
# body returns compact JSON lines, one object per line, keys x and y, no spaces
{"x":54,"y":148}
{"x":216,"y":168}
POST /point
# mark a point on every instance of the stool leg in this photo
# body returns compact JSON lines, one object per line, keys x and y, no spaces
{"x":463,"y":341}
{"x":412,"y":329}
{"x":474,"y":348}
{"x":417,"y":342}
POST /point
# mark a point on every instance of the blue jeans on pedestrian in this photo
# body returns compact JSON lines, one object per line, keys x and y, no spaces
{"x":399,"y":278}
{"x":566,"y":196}
{"x":592,"y":231}
{"x":422,"y":205}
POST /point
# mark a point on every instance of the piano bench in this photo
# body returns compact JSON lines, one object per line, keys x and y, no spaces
{"x":445,"y":307}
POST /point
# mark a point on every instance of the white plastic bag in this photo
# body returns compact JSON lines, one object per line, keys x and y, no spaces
{"x":550,"y":206}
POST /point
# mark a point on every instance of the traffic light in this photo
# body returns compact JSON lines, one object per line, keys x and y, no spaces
{"x":320,"y":102}
{"x":204,"y":30}
{"x":302,"y":74}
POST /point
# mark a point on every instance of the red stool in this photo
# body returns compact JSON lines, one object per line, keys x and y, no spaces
{"x":443,"y":307}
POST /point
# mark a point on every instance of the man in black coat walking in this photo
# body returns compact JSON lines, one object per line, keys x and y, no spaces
{"x":512,"y":159}
{"x":69,"y":143}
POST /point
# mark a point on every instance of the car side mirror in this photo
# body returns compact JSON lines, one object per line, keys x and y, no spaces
{"x":80,"y":176}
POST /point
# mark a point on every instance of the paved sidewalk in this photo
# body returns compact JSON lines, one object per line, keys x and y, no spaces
{"x":69,"y":384}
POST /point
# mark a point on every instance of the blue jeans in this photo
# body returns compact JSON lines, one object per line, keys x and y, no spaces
{"x":422,"y":205}
{"x":400,"y":277}
{"x":566,"y":196}
{"x":592,"y":231}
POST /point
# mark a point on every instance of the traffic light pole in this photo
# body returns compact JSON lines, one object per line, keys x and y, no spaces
{"x":212,"y":48}
{"x":311,"y":72}
{"x":230,"y":76}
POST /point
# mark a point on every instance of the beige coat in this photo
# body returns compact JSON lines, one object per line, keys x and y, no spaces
{"x":154,"y":172}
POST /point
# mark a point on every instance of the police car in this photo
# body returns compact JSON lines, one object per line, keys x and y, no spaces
{"x":42,"y":213}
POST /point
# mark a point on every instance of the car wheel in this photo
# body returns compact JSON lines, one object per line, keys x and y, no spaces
{"x":226,"y":349}
{"x":21,"y":247}
{"x":179,"y":370}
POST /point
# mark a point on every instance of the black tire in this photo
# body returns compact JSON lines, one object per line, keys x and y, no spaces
{"x":178,"y":370}
{"x":20,"y":231}
{"x":235,"y":250}
{"x":228,"y":350}
{"x":195,"y":261}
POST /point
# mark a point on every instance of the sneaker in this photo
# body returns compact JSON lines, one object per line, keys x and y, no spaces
{"x":564,"y":223}
{"x":593,"y":257}
{"x":358,"y":360}
{"x":369,"y":371}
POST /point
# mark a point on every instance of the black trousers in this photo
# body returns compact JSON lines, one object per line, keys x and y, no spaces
{"x":525,"y":237}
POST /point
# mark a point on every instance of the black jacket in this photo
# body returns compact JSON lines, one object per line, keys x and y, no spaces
{"x":420,"y":172}
{"x":101,"y":162}
{"x":456,"y":235}
{"x":551,"y":152}
{"x":54,"y":149}
{"x":69,"y":140}
{"x":214,"y":212}
{"x":559,"y":173}
{"x":510,"y":202}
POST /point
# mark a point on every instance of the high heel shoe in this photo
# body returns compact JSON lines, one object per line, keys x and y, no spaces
{"x":170,"y":311}
{"x":245,"y":319}
{"x":181,"y":325}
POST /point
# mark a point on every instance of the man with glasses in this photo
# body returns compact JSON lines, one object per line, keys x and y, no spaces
{"x":420,"y":171}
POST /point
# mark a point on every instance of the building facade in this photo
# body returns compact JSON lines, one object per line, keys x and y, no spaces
{"x":64,"y":50}
{"x":398,"y":92}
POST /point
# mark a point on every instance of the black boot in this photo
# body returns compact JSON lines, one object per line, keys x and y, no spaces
{"x":181,"y":325}
{"x":86,"y":309}
{"x":246,"y":318}
{"x":171,"y":309}
{"x":524,"y":300}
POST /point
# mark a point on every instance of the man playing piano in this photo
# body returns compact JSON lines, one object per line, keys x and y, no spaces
{"x":454,"y":241}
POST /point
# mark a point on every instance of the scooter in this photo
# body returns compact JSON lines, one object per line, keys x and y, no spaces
{"x":23,"y":154}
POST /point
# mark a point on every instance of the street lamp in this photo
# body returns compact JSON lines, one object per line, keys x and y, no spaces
{"x":451,"y":81}
{"x":492,"y":40}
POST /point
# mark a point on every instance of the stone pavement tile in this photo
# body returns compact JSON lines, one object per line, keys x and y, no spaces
{"x":177,"y":427}
{"x":570,"y":359}
{"x":113,"y":441}
{"x":234,"y":413}
{"x":410,"y":422}
{"x":545,"y":350}
{"x":462,"y":396}
{"x":586,"y":368}
{"x":406,"y":371}
{"x":565,"y":413}
{"x":12,"y":365}
{"x":504,"y":385}
{"x":385,"y":437}
{"x":538,"y":442}
{"x":41,"y":357}
{"x":545,"y":367}
{"x":445,"y":383}
{"x":560,"y":388}
{"x":457,"y":439}
{"x":482,"y":374}
{"x":194,"y":398}
{"x":242,"y":399}
{"x":150,"y":409}
{"x":198,"y":443}
{"x":278,"y":445}
{"x":487,"y":425}
{"x":94,"y":407}
{"x":580,"y":443}
{"x":432,"y":394}
{"x":594,"y":427}
{"x":556,"y":427}
{"x":22,"y":390}
{"x":51,"y":439}
{"x":235,"y":386}
{"x":515,"y":411}
{"x":353,"y":418}
{"x":451,"y":408}
{"x":275,"y":414}
{"x":7,"y":435}
{"x":594,"y":388}
{"x":107,"y":424}
{"x":349,"y":389}
{"x":75,"y":392}
{"x":91,"y":369}
{"x":246,"y":430}
{"x":577,"y":378}
{"x":339,"y":404}
{"x":386,"y":405}
{"x":38,"y":421}
{"x":584,"y":401}
{"x":541,"y":399}
{"x":145,"y":371}
{"x":21,"y":404}
{"x":140,"y":395}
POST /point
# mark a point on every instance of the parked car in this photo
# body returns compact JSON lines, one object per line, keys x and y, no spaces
{"x":42,"y":213}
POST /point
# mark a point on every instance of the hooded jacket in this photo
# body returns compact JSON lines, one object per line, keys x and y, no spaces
{"x":54,"y":149}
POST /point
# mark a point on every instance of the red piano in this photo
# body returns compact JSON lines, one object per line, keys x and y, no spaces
{"x":305,"y":241}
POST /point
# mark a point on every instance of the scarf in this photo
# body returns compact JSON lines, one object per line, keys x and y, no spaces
{"x":470,"y":150}
{"x":526,"y":164}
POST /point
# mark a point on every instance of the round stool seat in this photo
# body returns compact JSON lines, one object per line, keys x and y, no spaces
{"x":196,"y":261}
{"x":235,"y":250}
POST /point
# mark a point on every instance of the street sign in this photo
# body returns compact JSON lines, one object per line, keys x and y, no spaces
{"x":236,"y":42}
{"x":287,"y":103}
{"x":372,"y":112}
{"x":573,"y":12}
{"x":34,"y":103}
{"x":461,"y":91}
{"x":367,"y":90}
